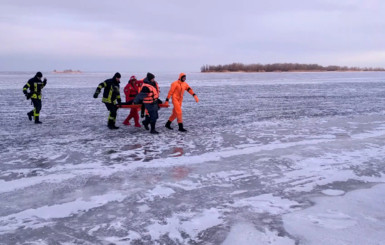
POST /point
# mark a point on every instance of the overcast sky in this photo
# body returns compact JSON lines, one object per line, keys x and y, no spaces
{"x":175,"y":35}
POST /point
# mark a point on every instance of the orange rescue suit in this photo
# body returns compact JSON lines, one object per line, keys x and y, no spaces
{"x":176,"y":93}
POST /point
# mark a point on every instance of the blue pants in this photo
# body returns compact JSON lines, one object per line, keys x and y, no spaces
{"x":153,"y":111}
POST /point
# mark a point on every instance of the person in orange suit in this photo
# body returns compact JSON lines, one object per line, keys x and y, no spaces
{"x":176,"y":93}
{"x":131,"y":90}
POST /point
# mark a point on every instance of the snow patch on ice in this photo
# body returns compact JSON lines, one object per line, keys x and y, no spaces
{"x":332,"y":219}
{"x":160,"y":192}
{"x":267,"y":203}
{"x":328,"y":168}
{"x":246,"y":234}
{"x":123,"y":240}
{"x":14,"y":221}
{"x":345,"y":219}
{"x":6,"y":186}
{"x":186,"y":185}
{"x":189,"y":223}
{"x":330,"y":192}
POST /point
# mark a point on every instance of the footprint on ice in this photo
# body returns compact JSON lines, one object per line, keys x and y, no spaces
{"x":332,"y":220}
{"x":331,"y":192}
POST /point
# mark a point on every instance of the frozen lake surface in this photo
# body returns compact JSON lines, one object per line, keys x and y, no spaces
{"x":270,"y":158}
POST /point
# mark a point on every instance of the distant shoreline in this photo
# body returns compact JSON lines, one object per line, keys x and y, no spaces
{"x":282,"y":67}
{"x":299,"y":71}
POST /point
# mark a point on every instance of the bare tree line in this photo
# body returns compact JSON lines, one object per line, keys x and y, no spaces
{"x":281,"y":67}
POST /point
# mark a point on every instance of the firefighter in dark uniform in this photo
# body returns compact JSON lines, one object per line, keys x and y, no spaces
{"x":149,"y":96}
{"x":35,"y":85}
{"x":111,"y":95}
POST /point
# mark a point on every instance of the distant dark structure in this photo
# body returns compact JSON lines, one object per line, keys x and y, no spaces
{"x":280,"y":67}
{"x":68,"y":71}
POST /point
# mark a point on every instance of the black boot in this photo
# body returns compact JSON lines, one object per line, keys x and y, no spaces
{"x":145,"y":123}
{"x":111,"y":124}
{"x":37,"y":120}
{"x":168,"y":125}
{"x":181,"y":127}
{"x":30,"y":114}
{"x":153,"y":131}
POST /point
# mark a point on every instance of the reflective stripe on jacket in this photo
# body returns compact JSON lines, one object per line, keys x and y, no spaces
{"x":111,"y":91}
{"x":35,"y":85}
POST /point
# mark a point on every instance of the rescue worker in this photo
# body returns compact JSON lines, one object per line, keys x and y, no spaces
{"x":131,"y":90}
{"x":176,"y":93}
{"x":111,"y":95}
{"x":35,"y":85}
{"x":149,"y":96}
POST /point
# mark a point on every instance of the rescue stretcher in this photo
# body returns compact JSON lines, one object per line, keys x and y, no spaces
{"x":128,"y":105}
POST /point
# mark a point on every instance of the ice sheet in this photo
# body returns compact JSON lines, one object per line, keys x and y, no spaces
{"x":267,"y":157}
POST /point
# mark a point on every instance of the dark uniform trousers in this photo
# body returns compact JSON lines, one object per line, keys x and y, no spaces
{"x":113,"y":111}
{"x":37,"y":107}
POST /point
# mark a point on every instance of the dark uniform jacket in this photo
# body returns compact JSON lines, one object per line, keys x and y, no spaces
{"x":35,"y":85}
{"x":111,"y":92}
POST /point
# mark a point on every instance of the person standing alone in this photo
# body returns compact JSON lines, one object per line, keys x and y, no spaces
{"x":111,"y":95}
{"x":35,"y":85}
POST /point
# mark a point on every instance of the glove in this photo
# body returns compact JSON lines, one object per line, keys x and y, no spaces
{"x":130,"y":102}
{"x":28,"y":96}
{"x":160,"y":101}
{"x":45,"y":80}
{"x":196,"y":98}
{"x":95,"y":95}
{"x":119,"y":101}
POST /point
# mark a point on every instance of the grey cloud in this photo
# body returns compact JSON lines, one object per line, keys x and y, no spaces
{"x":192,"y":33}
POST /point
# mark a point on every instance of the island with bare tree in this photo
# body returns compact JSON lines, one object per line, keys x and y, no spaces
{"x":281,"y":67}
